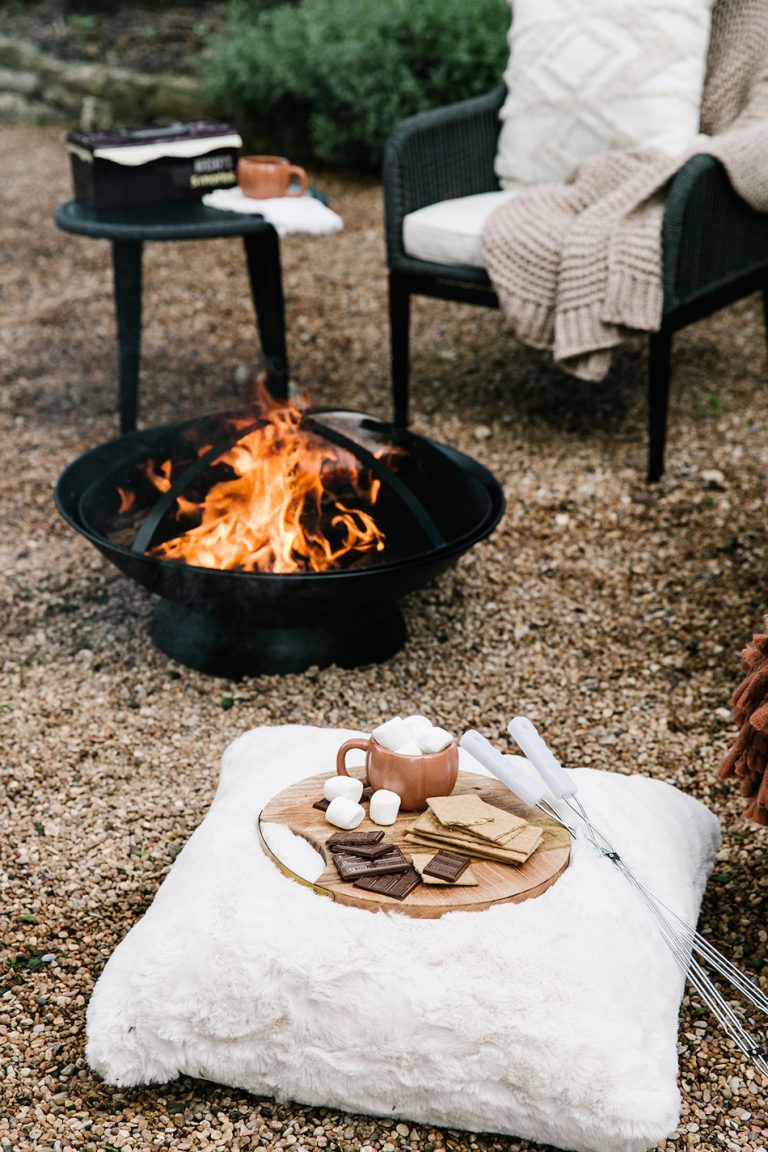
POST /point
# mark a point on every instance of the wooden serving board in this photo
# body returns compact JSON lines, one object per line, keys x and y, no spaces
{"x":497,"y":883}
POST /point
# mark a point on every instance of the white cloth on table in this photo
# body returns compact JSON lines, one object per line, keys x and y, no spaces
{"x":287,"y":214}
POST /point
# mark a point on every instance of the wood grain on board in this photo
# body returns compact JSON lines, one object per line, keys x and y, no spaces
{"x":497,"y":883}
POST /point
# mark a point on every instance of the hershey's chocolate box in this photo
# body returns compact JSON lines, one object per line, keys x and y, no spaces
{"x":131,"y":166}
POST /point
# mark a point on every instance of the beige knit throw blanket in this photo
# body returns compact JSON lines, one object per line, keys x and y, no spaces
{"x":577,"y":267}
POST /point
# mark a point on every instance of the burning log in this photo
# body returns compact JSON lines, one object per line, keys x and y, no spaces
{"x":748,"y":758}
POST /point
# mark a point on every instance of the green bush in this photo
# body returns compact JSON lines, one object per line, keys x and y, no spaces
{"x":330,"y":79}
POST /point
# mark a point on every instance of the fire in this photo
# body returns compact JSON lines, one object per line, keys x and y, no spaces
{"x":296,"y":503}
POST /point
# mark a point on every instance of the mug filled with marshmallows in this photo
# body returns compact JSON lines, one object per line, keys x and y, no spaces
{"x":265,"y":177}
{"x":407,"y":759}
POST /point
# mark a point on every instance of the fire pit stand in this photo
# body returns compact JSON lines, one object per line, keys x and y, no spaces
{"x":434,"y":503}
{"x":222,"y":647}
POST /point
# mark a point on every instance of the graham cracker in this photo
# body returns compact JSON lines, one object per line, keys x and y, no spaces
{"x":479,"y":849}
{"x":516,"y":841}
{"x":476,"y":815}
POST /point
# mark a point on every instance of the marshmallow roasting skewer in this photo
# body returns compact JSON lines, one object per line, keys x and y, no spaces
{"x":685,"y":943}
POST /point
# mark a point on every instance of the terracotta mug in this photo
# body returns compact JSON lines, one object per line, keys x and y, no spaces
{"x":414,"y":778}
{"x":262,"y":177}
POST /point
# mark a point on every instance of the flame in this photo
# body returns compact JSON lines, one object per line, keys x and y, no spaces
{"x":296,"y":503}
{"x":162,"y":478}
{"x":127,"y":499}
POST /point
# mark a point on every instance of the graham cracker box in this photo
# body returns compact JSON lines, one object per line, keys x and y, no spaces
{"x":124,"y":167}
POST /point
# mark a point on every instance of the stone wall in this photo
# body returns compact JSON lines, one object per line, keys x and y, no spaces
{"x":37,"y":88}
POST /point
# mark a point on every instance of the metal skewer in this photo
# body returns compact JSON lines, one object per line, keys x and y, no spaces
{"x":686,"y":944}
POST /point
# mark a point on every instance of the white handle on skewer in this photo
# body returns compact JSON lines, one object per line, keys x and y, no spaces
{"x":559,"y":782}
{"x":530,"y":789}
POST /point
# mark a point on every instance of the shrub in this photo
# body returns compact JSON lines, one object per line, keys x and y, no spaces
{"x":331,"y":78}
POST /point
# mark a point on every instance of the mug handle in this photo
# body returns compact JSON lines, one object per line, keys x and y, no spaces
{"x":294,"y":170}
{"x":341,"y":755}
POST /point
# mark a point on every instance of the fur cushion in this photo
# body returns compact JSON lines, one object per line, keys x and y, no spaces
{"x":555,"y":1019}
{"x":591,"y":76}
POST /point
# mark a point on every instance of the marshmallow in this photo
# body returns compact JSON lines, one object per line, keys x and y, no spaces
{"x":345,"y":813}
{"x":417,"y":725}
{"x":347,"y":786}
{"x":384,"y":806}
{"x":409,"y":748}
{"x":392,"y":734}
{"x":435,"y":740}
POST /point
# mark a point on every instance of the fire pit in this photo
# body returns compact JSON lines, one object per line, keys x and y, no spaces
{"x":279,"y":538}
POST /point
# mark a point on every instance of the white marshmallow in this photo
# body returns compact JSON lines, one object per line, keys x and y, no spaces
{"x":344,"y":813}
{"x":392,"y":734}
{"x":417,"y":725}
{"x":409,"y":748}
{"x":384,"y":806}
{"x":435,"y":740}
{"x":348,"y":786}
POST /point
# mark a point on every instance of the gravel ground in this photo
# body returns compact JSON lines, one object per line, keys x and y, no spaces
{"x":612,"y":613}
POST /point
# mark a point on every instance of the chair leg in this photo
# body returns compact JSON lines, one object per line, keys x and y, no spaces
{"x":765,"y":312}
{"x":659,"y":367}
{"x":399,"y":326}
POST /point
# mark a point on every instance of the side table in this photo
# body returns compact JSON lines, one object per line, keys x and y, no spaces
{"x":129,"y":228}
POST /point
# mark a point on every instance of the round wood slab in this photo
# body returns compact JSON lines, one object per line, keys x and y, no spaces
{"x":497,"y":883}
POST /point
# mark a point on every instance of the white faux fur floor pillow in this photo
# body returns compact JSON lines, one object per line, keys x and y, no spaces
{"x":554,"y":1020}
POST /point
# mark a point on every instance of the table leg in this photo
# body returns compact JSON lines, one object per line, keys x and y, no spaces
{"x":262,"y":254}
{"x":126,"y":266}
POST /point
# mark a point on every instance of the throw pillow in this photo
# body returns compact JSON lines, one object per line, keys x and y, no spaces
{"x":589,"y":76}
{"x":555,"y":1019}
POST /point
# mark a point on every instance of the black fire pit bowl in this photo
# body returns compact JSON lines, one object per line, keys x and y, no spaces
{"x":434,"y":504}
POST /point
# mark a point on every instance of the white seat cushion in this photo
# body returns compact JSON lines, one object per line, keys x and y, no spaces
{"x":590,"y":76}
{"x":554,"y":1020}
{"x":451,"y":231}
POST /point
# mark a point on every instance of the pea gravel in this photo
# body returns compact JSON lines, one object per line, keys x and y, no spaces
{"x":611,"y":613}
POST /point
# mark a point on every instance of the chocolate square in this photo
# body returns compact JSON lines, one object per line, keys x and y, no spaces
{"x":365,"y":851}
{"x":354,"y":867}
{"x":447,"y":866}
{"x":398,"y":886}
{"x":343,"y":839}
{"x":321,"y":804}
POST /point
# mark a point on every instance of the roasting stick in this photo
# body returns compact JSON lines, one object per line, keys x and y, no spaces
{"x":561,"y":784}
{"x":682,"y":939}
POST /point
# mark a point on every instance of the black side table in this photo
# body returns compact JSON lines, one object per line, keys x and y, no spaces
{"x":129,"y":228}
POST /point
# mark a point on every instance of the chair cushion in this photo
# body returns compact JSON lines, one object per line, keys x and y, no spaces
{"x":451,"y":231}
{"x":555,"y":1019}
{"x":589,"y":76}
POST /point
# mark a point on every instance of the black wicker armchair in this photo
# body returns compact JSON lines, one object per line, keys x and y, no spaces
{"x":715,"y":247}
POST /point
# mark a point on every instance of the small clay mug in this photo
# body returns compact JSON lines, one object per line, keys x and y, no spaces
{"x":414,"y":778}
{"x":262,"y":177}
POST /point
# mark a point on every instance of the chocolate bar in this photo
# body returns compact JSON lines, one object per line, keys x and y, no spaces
{"x":321,"y":804}
{"x":398,"y":886}
{"x":447,"y":866}
{"x":353,"y":867}
{"x":365,"y":851}
{"x":344,"y":839}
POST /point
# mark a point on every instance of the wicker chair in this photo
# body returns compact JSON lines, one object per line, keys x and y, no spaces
{"x":715,"y":247}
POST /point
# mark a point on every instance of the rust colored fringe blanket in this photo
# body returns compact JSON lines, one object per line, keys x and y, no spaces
{"x":748,"y":758}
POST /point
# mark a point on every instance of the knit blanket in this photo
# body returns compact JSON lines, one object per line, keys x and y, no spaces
{"x":578,"y":266}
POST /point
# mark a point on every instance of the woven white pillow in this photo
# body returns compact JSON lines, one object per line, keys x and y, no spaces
{"x":555,"y":1019}
{"x":589,"y":76}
